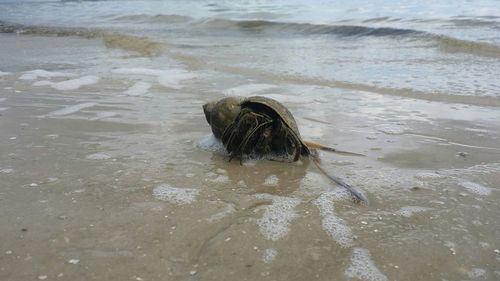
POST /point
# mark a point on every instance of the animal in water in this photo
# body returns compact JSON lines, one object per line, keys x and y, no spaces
{"x":263,"y":127}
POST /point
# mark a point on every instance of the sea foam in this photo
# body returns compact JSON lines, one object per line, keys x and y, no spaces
{"x":98,"y":156}
{"x":269,"y":255}
{"x":274,"y":223}
{"x":331,"y":223}
{"x":71,"y":109}
{"x":408,"y":211}
{"x":391,"y":129}
{"x":247,"y":89}
{"x":138,"y":89}
{"x":476,"y":188}
{"x":211,"y":143}
{"x":171,"y":78}
{"x":175,"y":195}
{"x":35,"y":74}
{"x":73,"y":84}
{"x":271,"y":180}
{"x":363,"y":268}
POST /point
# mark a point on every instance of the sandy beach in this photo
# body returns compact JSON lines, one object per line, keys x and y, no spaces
{"x":109,"y":170}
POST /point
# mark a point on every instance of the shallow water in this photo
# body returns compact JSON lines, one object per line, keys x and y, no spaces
{"x":108,"y":169}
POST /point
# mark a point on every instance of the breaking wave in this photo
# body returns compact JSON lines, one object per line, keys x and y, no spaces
{"x":304,"y":28}
{"x":444,"y":43}
{"x":148,"y":47}
{"x":158,"y":18}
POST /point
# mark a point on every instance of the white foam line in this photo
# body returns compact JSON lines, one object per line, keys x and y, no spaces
{"x":4,"y":73}
{"x":363,"y":268}
{"x":408,"y":211}
{"x":72,"y":84}
{"x":274,"y":223}
{"x":138,"y":89}
{"x":34,"y":74}
{"x":476,"y":188}
{"x":331,"y":223}
{"x":104,"y":114}
{"x":391,"y":129}
{"x":175,"y":195}
{"x":247,"y":89}
{"x":71,"y":109}
{"x":98,"y":156}
{"x":75,"y":84}
{"x":269,"y":255}
{"x":173,"y":78}
{"x":169,"y":78}
{"x":138,"y":71}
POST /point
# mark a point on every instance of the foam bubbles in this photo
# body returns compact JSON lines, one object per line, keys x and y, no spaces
{"x":477,"y":273}
{"x":171,"y":78}
{"x":98,"y":156}
{"x":211,"y":143}
{"x":71,"y":109}
{"x":269,"y":255}
{"x":408,"y":211}
{"x":34,"y":74}
{"x":175,"y":195}
{"x":271,"y":180}
{"x":4,"y":73}
{"x":104,"y":114}
{"x":331,"y":223}
{"x":427,"y":176}
{"x":274,"y":223}
{"x":72,"y":84}
{"x":138,"y":71}
{"x":138,"y":89}
{"x":247,"y":89}
{"x":391,"y":129}
{"x":363,"y":268}
{"x":219,"y":179}
{"x":476,"y":188}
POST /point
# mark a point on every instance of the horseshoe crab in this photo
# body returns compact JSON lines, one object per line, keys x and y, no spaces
{"x":263,"y":127}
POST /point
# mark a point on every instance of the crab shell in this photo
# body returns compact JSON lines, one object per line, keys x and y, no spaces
{"x":222,"y":113}
{"x":258,"y":103}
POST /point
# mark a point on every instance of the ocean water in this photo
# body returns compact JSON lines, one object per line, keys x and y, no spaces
{"x":443,"y":50}
{"x":109,"y":171}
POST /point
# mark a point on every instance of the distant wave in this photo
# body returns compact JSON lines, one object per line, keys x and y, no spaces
{"x":147,"y":46}
{"x":454,"y":45}
{"x":442,"y":42}
{"x":141,"y":45}
{"x":304,"y":28}
{"x":158,"y":18}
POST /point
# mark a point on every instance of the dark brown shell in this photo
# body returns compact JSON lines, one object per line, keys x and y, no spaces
{"x":275,"y":106}
{"x":260,"y":103}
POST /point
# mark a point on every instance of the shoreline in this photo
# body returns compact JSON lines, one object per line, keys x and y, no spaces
{"x":103,"y":180}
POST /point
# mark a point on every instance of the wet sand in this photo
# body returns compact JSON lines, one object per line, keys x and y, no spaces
{"x":106,"y":179}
